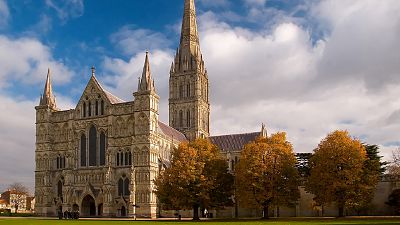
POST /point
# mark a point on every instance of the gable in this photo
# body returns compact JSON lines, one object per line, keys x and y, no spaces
{"x":95,"y":92}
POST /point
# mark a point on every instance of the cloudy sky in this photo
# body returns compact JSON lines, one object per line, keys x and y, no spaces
{"x":306,"y":67}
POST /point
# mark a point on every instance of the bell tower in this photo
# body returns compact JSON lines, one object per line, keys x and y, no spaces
{"x":189,"y":106}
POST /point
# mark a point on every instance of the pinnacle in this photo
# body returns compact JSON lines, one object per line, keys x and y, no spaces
{"x":48,"y":98}
{"x":146,"y":82}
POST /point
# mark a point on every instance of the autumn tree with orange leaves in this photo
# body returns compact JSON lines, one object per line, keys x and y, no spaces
{"x":197,"y":178}
{"x":338,"y":172}
{"x":266,"y":174}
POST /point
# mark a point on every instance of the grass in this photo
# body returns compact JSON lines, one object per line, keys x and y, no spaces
{"x":297,"y":221}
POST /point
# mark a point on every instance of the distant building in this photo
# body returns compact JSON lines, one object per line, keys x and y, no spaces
{"x":13,"y":200}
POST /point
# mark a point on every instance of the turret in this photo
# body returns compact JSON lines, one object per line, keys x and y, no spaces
{"x":146,"y":101}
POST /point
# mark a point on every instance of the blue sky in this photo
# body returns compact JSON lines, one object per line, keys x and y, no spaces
{"x":80,"y":33}
{"x":306,"y":67}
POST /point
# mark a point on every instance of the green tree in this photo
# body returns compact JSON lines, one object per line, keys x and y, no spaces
{"x":372,"y":169}
{"x":197,"y":178}
{"x":266,"y":174}
{"x":338,"y":172}
{"x":375,"y":162}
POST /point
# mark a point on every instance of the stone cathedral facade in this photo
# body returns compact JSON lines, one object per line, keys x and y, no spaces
{"x":101,"y":158}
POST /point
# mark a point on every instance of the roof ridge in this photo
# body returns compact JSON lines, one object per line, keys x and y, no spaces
{"x":108,"y":93}
{"x":118,"y":98}
{"x":169,"y":126}
{"x":180,"y":136}
{"x":225,"y":135}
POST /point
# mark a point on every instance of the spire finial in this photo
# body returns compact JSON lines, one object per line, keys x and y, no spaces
{"x":146,"y":82}
{"x":93,"y":71}
{"x":188,"y":56}
{"x":48,"y":99}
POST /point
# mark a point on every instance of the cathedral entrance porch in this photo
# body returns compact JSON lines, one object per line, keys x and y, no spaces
{"x":88,"y":206}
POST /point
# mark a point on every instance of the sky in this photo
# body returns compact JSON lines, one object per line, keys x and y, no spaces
{"x":305,"y":67}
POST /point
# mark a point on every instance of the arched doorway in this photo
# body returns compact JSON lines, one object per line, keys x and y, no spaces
{"x":88,"y":206}
{"x":123,"y":211}
{"x":100,"y":209}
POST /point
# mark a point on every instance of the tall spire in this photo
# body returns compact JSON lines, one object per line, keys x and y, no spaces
{"x":146,"y":83}
{"x":48,"y":99}
{"x":189,"y":33}
{"x":188,"y":56}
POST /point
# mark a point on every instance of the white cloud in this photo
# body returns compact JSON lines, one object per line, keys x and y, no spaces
{"x":131,"y":40}
{"x":17,"y":119}
{"x":4,"y":13}
{"x":363,"y":42}
{"x":121,"y":77}
{"x":17,"y":141}
{"x":67,"y":9}
{"x":26,"y":60}
{"x":307,"y":88}
{"x":293,"y":81}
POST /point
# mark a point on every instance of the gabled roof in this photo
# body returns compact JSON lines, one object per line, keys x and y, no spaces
{"x":171,"y":132}
{"x":113,"y":99}
{"x":110,"y":97}
{"x":233,"y":142}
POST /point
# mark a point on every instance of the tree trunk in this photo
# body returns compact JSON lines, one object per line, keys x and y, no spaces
{"x":341,"y":210}
{"x":266,"y":212}
{"x":196,"y":212}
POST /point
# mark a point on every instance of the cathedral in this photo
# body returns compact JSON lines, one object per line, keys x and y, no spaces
{"x":102,"y":157}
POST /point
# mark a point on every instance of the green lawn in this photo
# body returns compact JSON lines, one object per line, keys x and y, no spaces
{"x":372,"y":221}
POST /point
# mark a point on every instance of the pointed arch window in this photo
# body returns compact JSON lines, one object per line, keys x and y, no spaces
{"x":58,"y":162}
{"x":181,"y":118}
{"x":126,"y":159}
{"x":120,"y":187}
{"x":59,"y":188}
{"x":92,"y":146}
{"x":121,"y":158}
{"x":97,"y":108}
{"x":102,"y":149}
{"x":188,"y":94}
{"x":83,"y":150}
{"x":84,"y":109}
{"x":90,"y":109}
{"x":126,"y":187}
{"x":188,"y":118}
{"x":123,"y":187}
{"x":102,"y":107}
{"x":181,"y":91}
